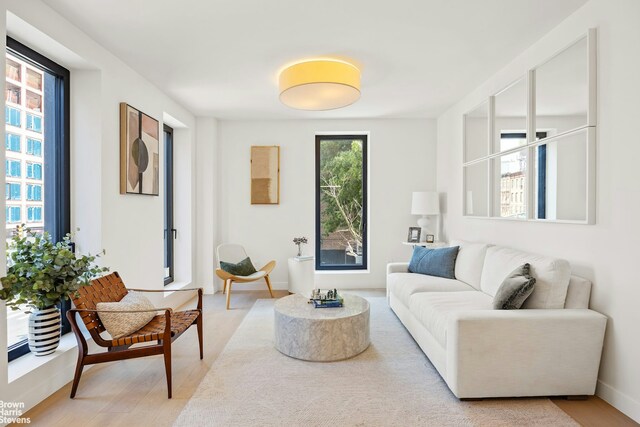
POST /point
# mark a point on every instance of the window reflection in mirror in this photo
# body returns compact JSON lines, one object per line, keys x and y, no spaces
{"x":510,"y":196}
{"x":562,"y":90}
{"x":476,"y":184}
{"x":476,"y":132}
{"x":560,"y":171}
{"x":510,"y":115}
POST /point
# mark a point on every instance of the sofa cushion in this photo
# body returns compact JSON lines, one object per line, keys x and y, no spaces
{"x":403,"y":285}
{"x":515,"y":289}
{"x":470,"y":261}
{"x":434,"y":262}
{"x":551,"y":274}
{"x":433,"y":309}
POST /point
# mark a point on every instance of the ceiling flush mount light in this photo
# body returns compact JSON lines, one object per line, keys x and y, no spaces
{"x":323,"y":84}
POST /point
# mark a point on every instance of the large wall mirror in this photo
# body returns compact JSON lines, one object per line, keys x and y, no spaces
{"x":539,"y":160}
{"x":476,"y":130}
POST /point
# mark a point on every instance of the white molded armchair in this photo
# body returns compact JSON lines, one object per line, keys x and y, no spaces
{"x":234,"y":253}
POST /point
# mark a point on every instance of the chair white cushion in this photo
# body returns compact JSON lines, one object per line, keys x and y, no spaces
{"x":403,"y":285}
{"x":552,"y":275}
{"x":470,"y":261}
{"x":119,"y":325}
{"x":433,"y":309}
{"x":254,"y":276}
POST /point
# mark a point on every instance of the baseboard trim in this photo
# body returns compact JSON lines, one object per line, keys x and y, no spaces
{"x":619,"y":400}
{"x":255,"y":286}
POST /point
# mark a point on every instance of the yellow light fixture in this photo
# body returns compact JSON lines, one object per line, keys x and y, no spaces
{"x":323,"y":84}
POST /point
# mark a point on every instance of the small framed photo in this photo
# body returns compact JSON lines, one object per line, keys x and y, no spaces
{"x":414,"y":235}
{"x":430,"y":238}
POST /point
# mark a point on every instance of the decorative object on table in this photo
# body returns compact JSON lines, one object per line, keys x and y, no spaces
{"x":425,"y":203}
{"x":414,"y":234}
{"x":156,"y":336}
{"x":319,"y":84}
{"x":139,"y":152}
{"x":265,"y":175}
{"x":300,"y":241}
{"x":434,"y":262}
{"x":430,"y":238}
{"x":40,"y":274}
{"x":515,"y":289}
{"x":326,"y":299}
{"x":231,"y":253}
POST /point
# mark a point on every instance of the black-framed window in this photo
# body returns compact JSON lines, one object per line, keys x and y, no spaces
{"x":38,"y":97}
{"x":169,"y":230}
{"x":341,"y":202}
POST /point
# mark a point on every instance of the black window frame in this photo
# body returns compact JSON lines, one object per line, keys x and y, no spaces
{"x":365,"y":204}
{"x":169,"y":231}
{"x":58,"y":173}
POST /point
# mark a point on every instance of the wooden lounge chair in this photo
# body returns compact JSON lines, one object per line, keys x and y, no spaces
{"x":230,"y":252}
{"x":162,"y":330}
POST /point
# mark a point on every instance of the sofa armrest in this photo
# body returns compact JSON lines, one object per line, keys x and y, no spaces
{"x":495,"y":353}
{"x":397,"y":267}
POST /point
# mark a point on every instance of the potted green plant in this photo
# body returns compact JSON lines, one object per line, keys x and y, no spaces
{"x":41,"y":273}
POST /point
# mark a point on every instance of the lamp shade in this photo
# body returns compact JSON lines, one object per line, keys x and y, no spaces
{"x":425,"y":203}
{"x":317,"y":85}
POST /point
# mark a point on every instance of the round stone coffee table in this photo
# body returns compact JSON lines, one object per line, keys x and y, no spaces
{"x":321,"y":334}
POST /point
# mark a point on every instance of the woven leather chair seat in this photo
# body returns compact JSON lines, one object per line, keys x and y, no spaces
{"x":153,"y":331}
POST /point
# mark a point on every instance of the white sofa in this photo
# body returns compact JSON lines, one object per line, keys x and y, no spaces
{"x":550,"y":347}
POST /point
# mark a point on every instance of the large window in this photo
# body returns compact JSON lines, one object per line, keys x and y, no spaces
{"x":341,"y":202}
{"x":37,"y":89}
{"x":169,"y":230}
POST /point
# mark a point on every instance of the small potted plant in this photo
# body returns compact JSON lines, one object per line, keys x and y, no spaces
{"x":300,"y":241}
{"x":41,"y":273}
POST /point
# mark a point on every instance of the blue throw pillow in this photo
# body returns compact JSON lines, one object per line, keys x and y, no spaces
{"x":434,"y":262}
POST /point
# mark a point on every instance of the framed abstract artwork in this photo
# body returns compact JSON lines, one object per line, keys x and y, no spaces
{"x":265,"y":175}
{"x":139,"y":152}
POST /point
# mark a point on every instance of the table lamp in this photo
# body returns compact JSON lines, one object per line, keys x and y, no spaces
{"x":425,"y":203}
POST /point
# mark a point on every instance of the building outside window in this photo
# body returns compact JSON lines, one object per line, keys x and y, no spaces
{"x":12,"y":191}
{"x":34,"y":147}
{"x":13,"y":168}
{"x":34,"y":123}
{"x":13,"y":116}
{"x":13,"y":142}
{"x":13,"y":214}
{"x":34,"y":192}
{"x":34,"y":214}
{"x":34,"y":170}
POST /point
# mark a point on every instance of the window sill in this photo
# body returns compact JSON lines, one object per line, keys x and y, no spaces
{"x":174,"y":286}
{"x":329,"y":272}
{"x":29,"y":362}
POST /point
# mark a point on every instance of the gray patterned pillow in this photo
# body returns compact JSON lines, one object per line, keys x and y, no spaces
{"x":515,"y":289}
{"x":122,"y":324}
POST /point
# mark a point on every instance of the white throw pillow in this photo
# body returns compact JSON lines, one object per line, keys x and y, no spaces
{"x":552,"y":275}
{"x":470,"y":261}
{"x":122,"y":324}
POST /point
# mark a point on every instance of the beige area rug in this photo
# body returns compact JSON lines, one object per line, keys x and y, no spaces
{"x":392,"y":383}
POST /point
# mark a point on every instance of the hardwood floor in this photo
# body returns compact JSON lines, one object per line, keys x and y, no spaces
{"x":133,"y":392}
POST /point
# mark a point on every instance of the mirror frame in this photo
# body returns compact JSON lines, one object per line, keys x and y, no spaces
{"x":532,"y":143}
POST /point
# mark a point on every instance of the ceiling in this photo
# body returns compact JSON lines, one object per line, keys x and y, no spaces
{"x":221,"y":58}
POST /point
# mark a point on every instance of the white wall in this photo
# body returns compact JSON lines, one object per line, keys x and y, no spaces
{"x":401,"y":160}
{"x":207,"y":213}
{"x":606,"y":252}
{"x":128,"y":227}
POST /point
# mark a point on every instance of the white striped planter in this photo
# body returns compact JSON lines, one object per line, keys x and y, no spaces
{"x":44,"y":331}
